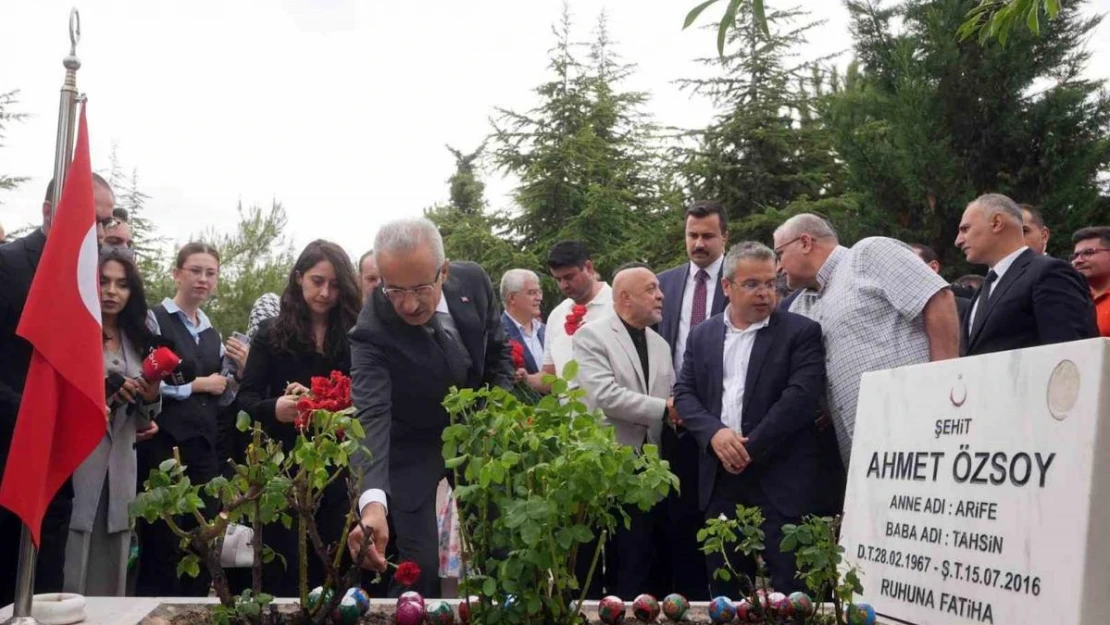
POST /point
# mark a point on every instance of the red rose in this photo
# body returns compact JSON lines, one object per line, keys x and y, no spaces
{"x":574,"y":319}
{"x":579,"y":310}
{"x":407,"y":574}
{"x":518,"y":354}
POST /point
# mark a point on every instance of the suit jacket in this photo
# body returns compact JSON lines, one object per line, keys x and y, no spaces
{"x":1038,"y":301}
{"x":610,"y":372}
{"x":114,"y":457}
{"x":782,"y":388}
{"x":18,"y":261}
{"x":673,"y":283}
{"x":397,"y":365}
{"x":513,"y":334}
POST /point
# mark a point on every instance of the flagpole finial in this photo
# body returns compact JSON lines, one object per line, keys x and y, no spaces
{"x":71,"y":62}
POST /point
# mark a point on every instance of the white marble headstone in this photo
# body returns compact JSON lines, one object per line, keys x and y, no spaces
{"x":979,"y":489}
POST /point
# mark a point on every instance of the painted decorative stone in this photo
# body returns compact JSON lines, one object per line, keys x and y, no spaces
{"x":862,"y":613}
{"x":675,"y":606}
{"x":745,"y":611}
{"x":645,"y":608}
{"x":360,"y":597}
{"x":780,"y":605}
{"x":409,"y":613}
{"x":611,"y":610}
{"x":439,"y":613}
{"x":801,"y":603}
{"x":348,"y":611}
{"x":314,"y":597}
{"x":721,"y":610}
{"x":413,"y":596}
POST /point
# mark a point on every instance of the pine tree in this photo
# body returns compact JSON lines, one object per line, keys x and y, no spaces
{"x":8,"y":101}
{"x":254,"y":259}
{"x":926,"y":122}
{"x":766,"y":148}
{"x":583,"y":157}
{"x":469,"y":231}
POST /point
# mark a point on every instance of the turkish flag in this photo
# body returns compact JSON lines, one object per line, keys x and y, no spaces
{"x":62,"y":415}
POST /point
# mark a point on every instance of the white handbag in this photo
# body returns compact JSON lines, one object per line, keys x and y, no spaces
{"x":238,"y":547}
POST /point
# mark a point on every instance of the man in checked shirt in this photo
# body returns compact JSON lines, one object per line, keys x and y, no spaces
{"x":879,"y":307}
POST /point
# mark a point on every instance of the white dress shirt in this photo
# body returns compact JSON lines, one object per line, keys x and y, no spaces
{"x":714,"y":271}
{"x":377,"y":495}
{"x":999,"y":269}
{"x":737,"y":357}
{"x":558,"y":349}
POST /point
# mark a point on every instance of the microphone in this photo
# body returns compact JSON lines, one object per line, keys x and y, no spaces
{"x":183,"y":374}
{"x":160,"y":364}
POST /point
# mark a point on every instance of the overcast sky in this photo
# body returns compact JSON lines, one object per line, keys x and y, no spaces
{"x":338,"y":108}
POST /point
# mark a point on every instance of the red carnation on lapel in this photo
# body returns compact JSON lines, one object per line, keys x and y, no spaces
{"x":574,"y":319}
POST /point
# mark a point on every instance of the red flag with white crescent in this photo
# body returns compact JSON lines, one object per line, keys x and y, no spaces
{"x":62,"y":415}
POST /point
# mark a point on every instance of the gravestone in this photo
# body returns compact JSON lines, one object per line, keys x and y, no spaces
{"x":979,"y":489}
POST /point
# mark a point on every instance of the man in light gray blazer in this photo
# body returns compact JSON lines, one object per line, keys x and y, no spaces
{"x":626,"y":369}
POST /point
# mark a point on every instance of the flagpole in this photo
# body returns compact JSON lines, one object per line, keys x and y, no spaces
{"x":63,"y":153}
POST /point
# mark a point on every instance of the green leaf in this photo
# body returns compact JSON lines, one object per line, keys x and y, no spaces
{"x":530,"y":534}
{"x":242,"y":421}
{"x":692,"y":16}
{"x":726,"y":23}
{"x":1052,"y":7}
{"x":167,"y":465}
{"x":188,"y":565}
{"x":454,"y":463}
{"x":760,"y":17}
{"x":489,"y":587}
{"x":1032,"y":19}
{"x":570,"y":370}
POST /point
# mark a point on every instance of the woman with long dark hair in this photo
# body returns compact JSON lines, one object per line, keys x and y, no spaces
{"x":320,"y":304}
{"x":105,"y":483}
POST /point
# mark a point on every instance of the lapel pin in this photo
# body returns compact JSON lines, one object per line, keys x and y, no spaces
{"x":465,"y":299}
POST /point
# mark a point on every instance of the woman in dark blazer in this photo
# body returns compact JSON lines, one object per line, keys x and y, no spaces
{"x":308,"y":338}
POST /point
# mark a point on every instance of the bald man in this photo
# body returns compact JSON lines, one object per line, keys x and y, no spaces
{"x":1027,"y":299}
{"x":625,"y":368}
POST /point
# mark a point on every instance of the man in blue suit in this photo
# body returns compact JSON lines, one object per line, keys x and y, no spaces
{"x":692,"y":293}
{"x":750,"y":385}
{"x":521,"y":297}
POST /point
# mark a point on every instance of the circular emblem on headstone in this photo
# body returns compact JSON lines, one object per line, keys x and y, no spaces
{"x":1063,"y":389}
{"x":958,"y":394}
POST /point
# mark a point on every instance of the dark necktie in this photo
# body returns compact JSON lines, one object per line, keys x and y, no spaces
{"x":981,"y":302}
{"x":697,"y":310}
{"x":447,"y":337}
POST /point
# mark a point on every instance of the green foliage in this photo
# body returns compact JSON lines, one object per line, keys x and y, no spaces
{"x":720,"y":535}
{"x":273,"y":485}
{"x":996,"y":18}
{"x":727,"y":20}
{"x":819,"y":555}
{"x":585,"y":158}
{"x":767,"y":147}
{"x":150,"y":247}
{"x":925,"y":123}
{"x":534,"y":483}
{"x":254,"y":259}
{"x":8,"y":100}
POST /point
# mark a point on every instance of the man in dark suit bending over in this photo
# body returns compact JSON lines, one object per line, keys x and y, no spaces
{"x":748,"y":392}
{"x":1026,"y":299}
{"x":429,"y":326}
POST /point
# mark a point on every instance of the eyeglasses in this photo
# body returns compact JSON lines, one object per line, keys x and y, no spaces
{"x":779,"y":249}
{"x":752,"y":285}
{"x":1087,"y":253}
{"x":397,"y":295}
